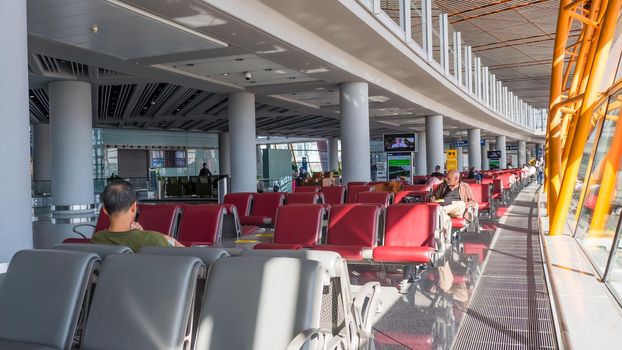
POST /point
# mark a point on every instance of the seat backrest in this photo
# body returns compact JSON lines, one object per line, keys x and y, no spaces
{"x":206,"y":254}
{"x":419,"y":179}
{"x":241,"y":200}
{"x":240,"y":312}
{"x":303,"y":198}
{"x":480,"y":192}
{"x":469,"y":181}
{"x":102,"y":221}
{"x":161,"y":218}
{"x":411,"y":225}
{"x":380,"y":198}
{"x":399,"y":196}
{"x":143,"y":302}
{"x":336,"y":300}
{"x":201,"y":223}
{"x":102,"y":250}
{"x":266,"y":204}
{"x":313,"y":188}
{"x":299,"y":224}
{"x":353,"y":224}
{"x":42,"y":294}
{"x":334,"y":194}
{"x":356,"y":183}
{"x":417,"y":188}
{"x":354,"y":190}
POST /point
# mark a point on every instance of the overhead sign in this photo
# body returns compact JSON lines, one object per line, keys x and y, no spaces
{"x":511,"y":147}
{"x":483,"y":142}
{"x":493,"y":159}
{"x":452,"y":159}
{"x":460,"y":143}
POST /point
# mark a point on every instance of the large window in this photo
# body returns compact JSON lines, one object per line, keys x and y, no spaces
{"x":585,"y":165}
{"x":599,"y":213}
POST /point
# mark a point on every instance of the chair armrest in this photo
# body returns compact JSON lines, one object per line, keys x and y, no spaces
{"x":364,"y":307}
{"x":324,"y":336}
{"x":83,"y":225}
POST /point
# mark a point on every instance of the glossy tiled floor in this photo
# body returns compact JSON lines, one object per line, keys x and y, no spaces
{"x":428,"y":315}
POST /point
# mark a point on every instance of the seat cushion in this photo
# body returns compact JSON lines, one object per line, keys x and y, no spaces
{"x":348,"y":252}
{"x":277,"y":246}
{"x":458,"y":223}
{"x":255,"y":220}
{"x":483,"y":206}
{"x":420,"y":255}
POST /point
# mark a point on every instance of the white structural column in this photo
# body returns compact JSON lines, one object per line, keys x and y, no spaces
{"x":501,"y":146}
{"x":353,"y":100}
{"x":224,"y":154}
{"x":333,"y":154}
{"x":485,"y":148}
{"x":421,"y":167}
{"x":15,"y":201}
{"x":41,"y":152}
{"x":434,"y":140}
{"x":72,"y":146}
{"x":460,"y":158}
{"x":475,"y":148}
{"x":522,"y":153}
{"x":242,"y":142}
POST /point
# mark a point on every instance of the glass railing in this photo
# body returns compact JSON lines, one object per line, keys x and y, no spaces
{"x":430,"y":34}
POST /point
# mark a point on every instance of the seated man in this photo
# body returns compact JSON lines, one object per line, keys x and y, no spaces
{"x":456,"y":196}
{"x":119,"y":199}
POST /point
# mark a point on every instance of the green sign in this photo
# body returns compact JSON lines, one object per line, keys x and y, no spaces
{"x":399,"y":162}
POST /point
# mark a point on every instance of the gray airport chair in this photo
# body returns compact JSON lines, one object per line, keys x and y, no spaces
{"x":256,"y":303}
{"x":143,"y":302}
{"x":339,"y":313}
{"x":42,"y":297}
{"x":102,"y":250}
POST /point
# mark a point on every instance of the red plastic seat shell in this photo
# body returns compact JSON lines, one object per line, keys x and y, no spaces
{"x":417,"y":255}
{"x":201,"y":224}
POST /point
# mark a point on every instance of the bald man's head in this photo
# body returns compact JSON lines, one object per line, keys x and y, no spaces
{"x":453,"y":177}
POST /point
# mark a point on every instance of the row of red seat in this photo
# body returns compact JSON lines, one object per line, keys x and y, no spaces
{"x":411,"y":231}
{"x":202,"y":224}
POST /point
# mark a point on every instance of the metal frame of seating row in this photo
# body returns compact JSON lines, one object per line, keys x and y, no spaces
{"x":194,"y":310}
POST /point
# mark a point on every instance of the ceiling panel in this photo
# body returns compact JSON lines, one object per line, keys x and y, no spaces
{"x":120,"y":32}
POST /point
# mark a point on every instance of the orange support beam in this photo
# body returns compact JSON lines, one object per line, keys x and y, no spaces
{"x":605,"y":38}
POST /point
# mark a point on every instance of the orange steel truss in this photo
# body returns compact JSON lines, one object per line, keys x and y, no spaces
{"x":576,"y":76}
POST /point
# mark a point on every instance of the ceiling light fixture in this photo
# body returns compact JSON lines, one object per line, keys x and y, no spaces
{"x":225,"y":74}
{"x":95,"y":29}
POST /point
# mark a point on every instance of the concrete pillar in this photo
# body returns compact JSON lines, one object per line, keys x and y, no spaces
{"x":475,"y":148}
{"x":353,"y":99}
{"x":41,"y":152}
{"x":72,"y":146}
{"x":242,"y":142}
{"x":224,"y":154}
{"x":421,"y":167}
{"x":500,"y":145}
{"x":434,"y":139}
{"x":15,"y":201}
{"x":460,"y":159}
{"x":485,"y":148}
{"x":333,"y":154}
{"x":522,"y":153}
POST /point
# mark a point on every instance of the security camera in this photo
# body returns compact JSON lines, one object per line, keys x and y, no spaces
{"x":248,"y":76}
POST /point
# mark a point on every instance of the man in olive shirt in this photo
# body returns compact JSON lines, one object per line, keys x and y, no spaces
{"x":119,"y":199}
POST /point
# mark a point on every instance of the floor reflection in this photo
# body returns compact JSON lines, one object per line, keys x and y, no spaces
{"x":428,"y":313}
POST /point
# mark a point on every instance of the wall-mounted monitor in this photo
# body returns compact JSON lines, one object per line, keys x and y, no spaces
{"x":400,"y":143}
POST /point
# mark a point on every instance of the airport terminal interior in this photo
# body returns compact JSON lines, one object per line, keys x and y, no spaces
{"x":327,"y":174}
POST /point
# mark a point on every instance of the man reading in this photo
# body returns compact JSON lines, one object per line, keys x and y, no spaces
{"x":456,"y":196}
{"x":119,"y":199}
